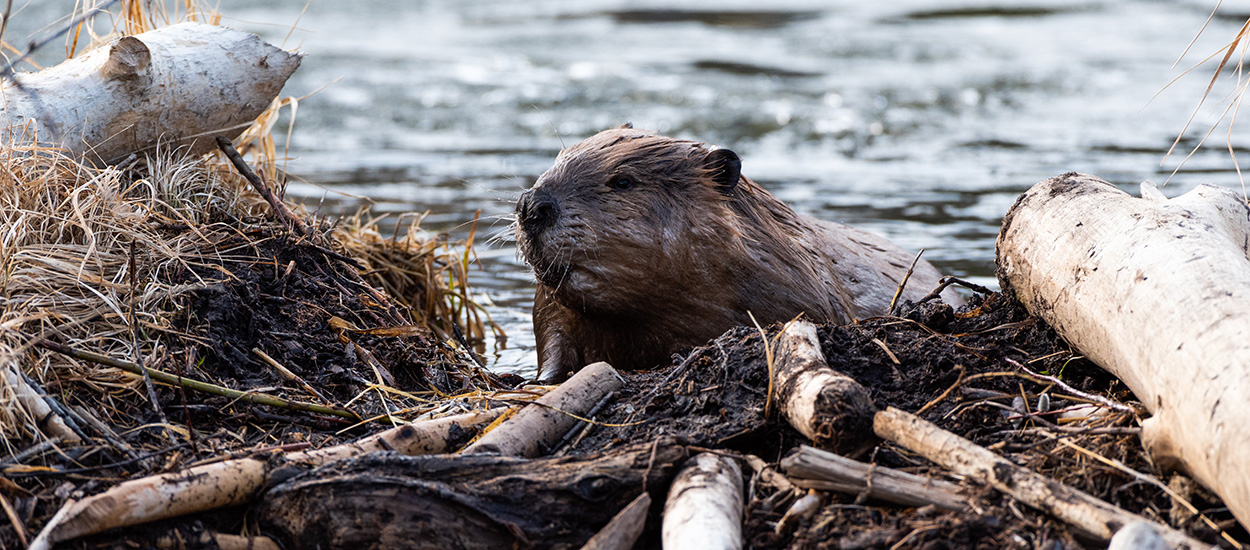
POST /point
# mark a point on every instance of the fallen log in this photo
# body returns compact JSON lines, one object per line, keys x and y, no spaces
{"x":541,"y":424}
{"x":1157,"y":292}
{"x":1097,"y":518}
{"x":704,"y":506}
{"x":180,"y":86}
{"x":816,"y":469}
{"x":234,"y":482}
{"x":463,"y":501}
{"x":830,"y":408}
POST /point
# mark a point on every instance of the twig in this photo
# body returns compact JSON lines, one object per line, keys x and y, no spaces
{"x":903,"y":284}
{"x":76,"y":471}
{"x":18,"y":526}
{"x":167,"y":378}
{"x":948,"y":281}
{"x":279,"y":208}
{"x":958,"y":382}
{"x":32,"y":451}
{"x":1094,"y":398}
{"x":290,"y":375}
{"x":1152,"y":480}
{"x":134,"y":343}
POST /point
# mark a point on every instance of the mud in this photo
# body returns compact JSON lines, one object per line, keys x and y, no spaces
{"x":714,"y":397}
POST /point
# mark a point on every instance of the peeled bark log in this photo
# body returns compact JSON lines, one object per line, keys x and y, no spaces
{"x":181,"y":85}
{"x":704,"y":507}
{"x":466,"y":502}
{"x":540,"y":425}
{"x":1094,"y":516}
{"x":830,"y":408}
{"x":854,"y":477}
{"x":1157,"y":292}
{"x":234,"y":482}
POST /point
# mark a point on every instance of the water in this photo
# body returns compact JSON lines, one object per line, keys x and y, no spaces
{"x":921,"y":120}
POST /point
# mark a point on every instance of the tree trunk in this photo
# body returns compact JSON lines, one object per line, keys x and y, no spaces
{"x":181,"y":85}
{"x":1157,"y":292}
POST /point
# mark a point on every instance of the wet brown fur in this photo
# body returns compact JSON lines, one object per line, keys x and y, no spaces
{"x":630,"y":276}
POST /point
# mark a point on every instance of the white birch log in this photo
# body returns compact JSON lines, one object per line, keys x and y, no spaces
{"x":1157,"y":292}
{"x":233,"y":482}
{"x":541,"y":424}
{"x":1096,"y":517}
{"x":830,"y":408}
{"x":182,"y":85}
{"x":704,"y":506}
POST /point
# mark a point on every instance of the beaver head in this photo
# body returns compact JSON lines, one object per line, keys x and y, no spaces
{"x":615,"y":224}
{"x":644,"y":244}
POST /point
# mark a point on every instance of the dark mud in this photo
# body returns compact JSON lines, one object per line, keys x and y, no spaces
{"x":715,"y":398}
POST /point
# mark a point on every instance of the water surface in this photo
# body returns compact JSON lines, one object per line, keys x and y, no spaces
{"x":921,"y":120}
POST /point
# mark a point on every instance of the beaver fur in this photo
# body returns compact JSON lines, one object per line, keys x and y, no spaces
{"x":645,"y":245}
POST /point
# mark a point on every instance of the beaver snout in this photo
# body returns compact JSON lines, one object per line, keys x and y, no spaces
{"x":537,"y":210}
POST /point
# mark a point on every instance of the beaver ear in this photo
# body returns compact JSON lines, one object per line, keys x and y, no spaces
{"x":724,"y":167}
{"x":626,"y":126}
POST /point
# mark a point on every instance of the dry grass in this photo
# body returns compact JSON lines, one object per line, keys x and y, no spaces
{"x":98,"y":257}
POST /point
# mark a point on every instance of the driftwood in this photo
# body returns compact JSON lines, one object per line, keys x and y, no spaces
{"x":181,"y":85}
{"x":816,"y":469}
{"x":830,"y":408}
{"x":1095,"y":517}
{"x":467,"y":502}
{"x":234,"y":482}
{"x":1157,"y":292}
{"x":705,"y":503}
{"x":50,"y":423}
{"x":540,"y":426}
{"x":623,"y":531}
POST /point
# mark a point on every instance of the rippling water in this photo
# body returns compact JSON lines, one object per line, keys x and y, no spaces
{"x":921,"y":120}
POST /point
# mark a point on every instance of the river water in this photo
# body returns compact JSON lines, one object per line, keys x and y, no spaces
{"x":921,"y":120}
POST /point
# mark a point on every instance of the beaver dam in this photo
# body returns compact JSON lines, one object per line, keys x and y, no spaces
{"x":189,"y":362}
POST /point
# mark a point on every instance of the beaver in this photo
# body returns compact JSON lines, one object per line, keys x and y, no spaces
{"x":645,"y":245}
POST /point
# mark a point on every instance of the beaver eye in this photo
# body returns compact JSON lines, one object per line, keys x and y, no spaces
{"x":620,"y":183}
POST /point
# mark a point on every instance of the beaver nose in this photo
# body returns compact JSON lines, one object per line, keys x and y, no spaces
{"x":537,"y":210}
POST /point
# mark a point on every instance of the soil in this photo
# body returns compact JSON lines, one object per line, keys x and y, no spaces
{"x":714,"y":397}
{"x":962,"y":367}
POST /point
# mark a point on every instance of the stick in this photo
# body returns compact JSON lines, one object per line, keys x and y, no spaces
{"x":279,"y":208}
{"x":167,"y":378}
{"x":854,"y":477}
{"x":623,"y":531}
{"x":704,"y":507}
{"x":234,"y":482}
{"x":540,"y":425}
{"x":1094,"y":516}
{"x":830,"y":408}
{"x":903,"y":284}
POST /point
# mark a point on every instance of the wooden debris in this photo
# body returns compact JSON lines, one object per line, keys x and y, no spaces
{"x":463,"y":501}
{"x":816,"y":469}
{"x":1095,"y":517}
{"x":234,"y":482}
{"x":540,"y":425}
{"x":830,"y":408}
{"x":623,"y":531}
{"x":179,"y":86}
{"x":704,"y":506}
{"x":1157,"y":292}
